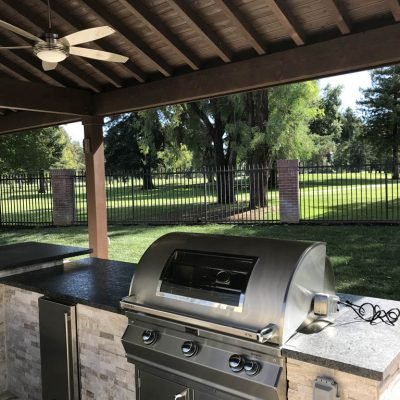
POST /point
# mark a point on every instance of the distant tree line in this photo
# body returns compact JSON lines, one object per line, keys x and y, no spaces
{"x":39,"y":150}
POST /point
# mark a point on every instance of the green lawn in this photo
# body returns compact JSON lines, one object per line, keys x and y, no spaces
{"x":366,"y":259}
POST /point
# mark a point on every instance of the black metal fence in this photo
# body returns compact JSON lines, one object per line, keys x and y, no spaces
{"x":201,"y":196}
{"x":26,"y":200}
{"x":250,"y":195}
{"x":345,"y":193}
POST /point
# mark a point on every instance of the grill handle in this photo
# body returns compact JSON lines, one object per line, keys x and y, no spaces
{"x":183,"y":395}
{"x":266,"y":334}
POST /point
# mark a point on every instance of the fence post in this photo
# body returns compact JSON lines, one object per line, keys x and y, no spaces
{"x":62,"y":181}
{"x":288,"y":184}
{"x":386,"y":196}
{"x":205,"y":195}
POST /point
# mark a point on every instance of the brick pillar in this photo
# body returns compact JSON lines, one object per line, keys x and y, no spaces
{"x":62,"y":181}
{"x":288,"y":184}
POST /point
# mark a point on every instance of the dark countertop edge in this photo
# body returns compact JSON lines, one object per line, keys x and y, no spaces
{"x":62,"y":256}
{"x":67,"y":298}
{"x":337,"y":365}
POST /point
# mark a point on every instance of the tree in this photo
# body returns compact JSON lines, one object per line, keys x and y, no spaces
{"x":381,"y":110}
{"x":327,"y":126}
{"x":274,"y":124}
{"x":212,"y":116}
{"x":175,"y":154}
{"x":132,"y":142}
{"x":352,"y":148}
{"x":35,"y":151}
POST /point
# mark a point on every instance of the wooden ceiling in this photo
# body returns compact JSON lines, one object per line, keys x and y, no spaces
{"x":181,"y":50}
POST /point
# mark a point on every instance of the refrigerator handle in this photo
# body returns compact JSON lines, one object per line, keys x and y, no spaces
{"x":67,"y":320}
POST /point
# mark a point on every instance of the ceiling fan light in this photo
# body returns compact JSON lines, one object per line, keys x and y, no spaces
{"x":51,"y":51}
{"x":52,"y":56}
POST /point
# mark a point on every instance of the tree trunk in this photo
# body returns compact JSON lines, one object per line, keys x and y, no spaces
{"x":259,"y":159}
{"x":225,"y":185}
{"x":42,"y":183}
{"x":147,"y":179}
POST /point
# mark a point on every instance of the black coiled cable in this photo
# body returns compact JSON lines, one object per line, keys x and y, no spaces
{"x":373,"y":314}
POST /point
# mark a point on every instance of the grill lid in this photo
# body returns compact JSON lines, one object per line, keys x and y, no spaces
{"x":258,"y":288}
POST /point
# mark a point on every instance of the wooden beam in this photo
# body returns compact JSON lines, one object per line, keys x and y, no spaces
{"x":338,"y":15}
{"x":95,"y":186}
{"x":39,"y":97}
{"x":395,"y":8}
{"x":24,"y":120}
{"x":351,"y":53}
{"x":134,"y":40}
{"x":137,"y":8}
{"x":242,"y":25}
{"x":283,"y":14}
{"x":199,"y":26}
{"x":17,"y":69}
{"x":62,"y":12}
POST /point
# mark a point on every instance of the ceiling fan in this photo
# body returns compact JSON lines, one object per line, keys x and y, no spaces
{"x":51,"y":49}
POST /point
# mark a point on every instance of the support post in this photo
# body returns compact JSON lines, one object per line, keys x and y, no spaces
{"x":95,"y":185}
{"x":288,"y":184}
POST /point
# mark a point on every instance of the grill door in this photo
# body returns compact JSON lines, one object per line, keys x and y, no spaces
{"x":152,"y":387}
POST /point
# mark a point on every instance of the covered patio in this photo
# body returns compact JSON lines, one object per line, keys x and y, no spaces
{"x":178,"y":51}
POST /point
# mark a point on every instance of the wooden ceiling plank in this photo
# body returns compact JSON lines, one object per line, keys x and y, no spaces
{"x":24,"y":120}
{"x":394,"y":8}
{"x":19,"y":95}
{"x":26,"y":13}
{"x":344,"y":54}
{"x":338,"y":14}
{"x":243,"y":26}
{"x":138,"y":9}
{"x":63,"y":13}
{"x":283,"y":14}
{"x":198,"y":25}
{"x":134,"y":40}
{"x":17,"y":69}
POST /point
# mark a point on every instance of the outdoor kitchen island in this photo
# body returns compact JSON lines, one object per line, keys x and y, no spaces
{"x":362,"y":359}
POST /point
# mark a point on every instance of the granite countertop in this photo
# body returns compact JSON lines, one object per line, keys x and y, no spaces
{"x":17,"y":255}
{"x":351,"y":344}
{"x":91,"y":281}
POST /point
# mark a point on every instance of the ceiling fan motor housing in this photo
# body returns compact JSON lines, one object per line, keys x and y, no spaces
{"x":51,"y":49}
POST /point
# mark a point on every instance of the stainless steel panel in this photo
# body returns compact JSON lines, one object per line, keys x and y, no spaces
{"x":152,"y":387}
{"x":210,"y":366}
{"x":279,"y":292}
{"x":58,"y":350}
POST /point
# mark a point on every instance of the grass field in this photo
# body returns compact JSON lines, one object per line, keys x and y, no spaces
{"x":324,"y":196}
{"x":366,"y":259}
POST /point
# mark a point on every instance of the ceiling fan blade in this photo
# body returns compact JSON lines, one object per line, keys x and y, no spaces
{"x":97,"y":54}
{"x":48,"y":66}
{"x":88,"y":35}
{"x":14,"y":47}
{"x":19,"y":31}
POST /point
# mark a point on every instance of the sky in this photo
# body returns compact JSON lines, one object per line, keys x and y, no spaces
{"x":351,"y":83}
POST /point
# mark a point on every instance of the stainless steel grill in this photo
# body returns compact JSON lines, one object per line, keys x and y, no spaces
{"x":208,"y":314}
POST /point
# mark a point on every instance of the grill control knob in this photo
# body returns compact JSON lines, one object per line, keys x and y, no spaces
{"x":251,"y":367}
{"x":190,"y":349}
{"x":236,"y":363}
{"x":149,"y":336}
